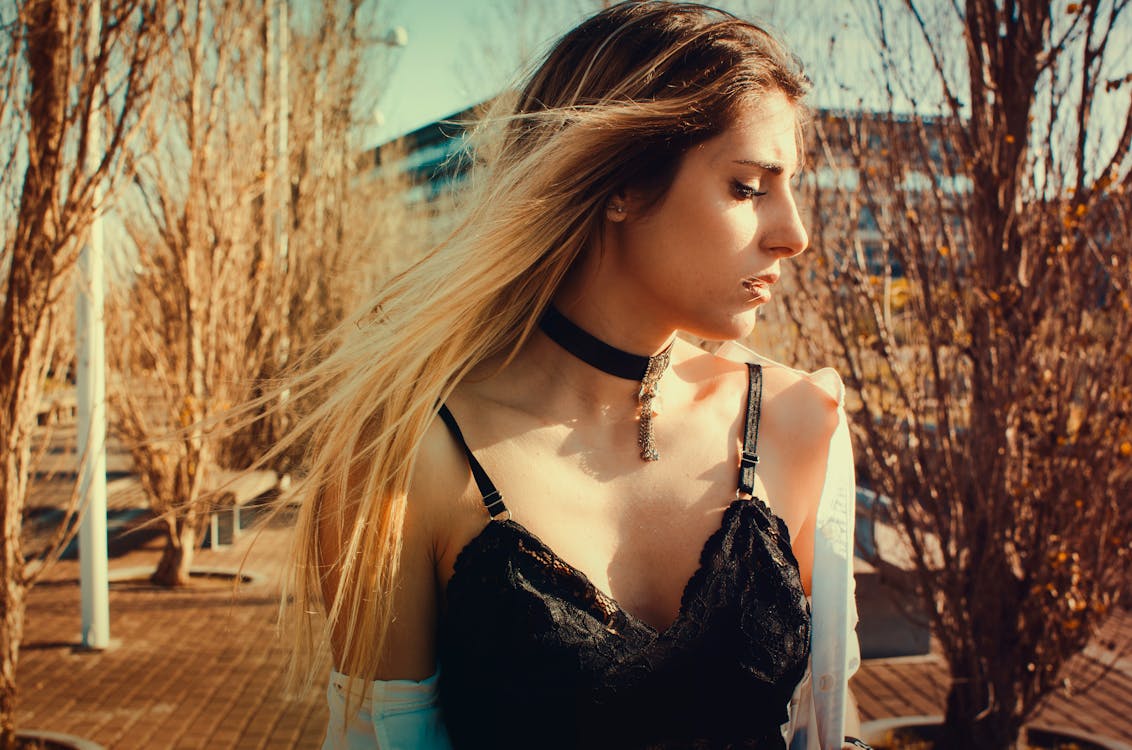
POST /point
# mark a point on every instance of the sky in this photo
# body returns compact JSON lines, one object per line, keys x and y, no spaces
{"x":460,"y":52}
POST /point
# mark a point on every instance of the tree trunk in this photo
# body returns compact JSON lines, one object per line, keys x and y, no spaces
{"x":32,"y":278}
{"x":19,"y":395}
{"x":12,"y":604}
{"x":177,"y":557}
{"x":977,"y":722}
{"x":11,"y":635}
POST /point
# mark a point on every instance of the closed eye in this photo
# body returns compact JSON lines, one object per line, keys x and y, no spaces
{"x":743,"y":191}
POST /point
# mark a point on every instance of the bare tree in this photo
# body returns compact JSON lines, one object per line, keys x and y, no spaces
{"x":184,"y":316}
{"x":62,"y":79}
{"x":973,"y":278}
{"x":247,"y":210}
{"x":343,"y":222}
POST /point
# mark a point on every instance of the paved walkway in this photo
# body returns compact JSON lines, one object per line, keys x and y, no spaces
{"x":1097,"y":697}
{"x":198,"y":668}
{"x":201,"y":668}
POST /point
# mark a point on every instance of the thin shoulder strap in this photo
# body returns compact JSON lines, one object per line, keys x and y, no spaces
{"x":492,"y":498}
{"x":749,"y":458}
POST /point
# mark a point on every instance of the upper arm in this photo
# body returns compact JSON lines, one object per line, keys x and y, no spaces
{"x":805,"y":418}
{"x":409,"y":651}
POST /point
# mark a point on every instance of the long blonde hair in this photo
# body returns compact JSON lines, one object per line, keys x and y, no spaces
{"x":613,"y":106}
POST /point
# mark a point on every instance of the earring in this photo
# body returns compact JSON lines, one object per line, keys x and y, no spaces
{"x":618,"y":211}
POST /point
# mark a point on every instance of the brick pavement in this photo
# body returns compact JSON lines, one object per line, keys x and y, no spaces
{"x":201,"y":668}
{"x":1097,"y":697}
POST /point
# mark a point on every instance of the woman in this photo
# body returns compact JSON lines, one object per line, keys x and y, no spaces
{"x":558,"y":560}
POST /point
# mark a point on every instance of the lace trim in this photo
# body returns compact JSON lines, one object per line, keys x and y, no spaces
{"x":527,"y":629}
{"x":489,"y":536}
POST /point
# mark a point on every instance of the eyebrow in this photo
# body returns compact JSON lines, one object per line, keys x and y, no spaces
{"x":774,"y":167}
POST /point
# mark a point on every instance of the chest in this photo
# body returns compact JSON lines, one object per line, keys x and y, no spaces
{"x":635,"y":530}
{"x":526,"y":630}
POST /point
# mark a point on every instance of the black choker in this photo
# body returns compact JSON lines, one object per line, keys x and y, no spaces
{"x":596,"y":353}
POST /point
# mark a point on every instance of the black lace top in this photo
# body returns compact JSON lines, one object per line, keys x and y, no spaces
{"x":533,"y":655}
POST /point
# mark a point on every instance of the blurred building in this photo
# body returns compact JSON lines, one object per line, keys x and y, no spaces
{"x":435,"y":161}
{"x":433,"y":157}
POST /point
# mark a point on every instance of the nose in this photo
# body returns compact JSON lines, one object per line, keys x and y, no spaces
{"x":786,"y":234}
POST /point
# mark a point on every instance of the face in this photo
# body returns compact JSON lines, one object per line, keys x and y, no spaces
{"x":708,"y":254}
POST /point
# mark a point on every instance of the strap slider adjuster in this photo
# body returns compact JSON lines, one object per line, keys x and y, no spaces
{"x":491,"y":501}
{"x":749,"y":460}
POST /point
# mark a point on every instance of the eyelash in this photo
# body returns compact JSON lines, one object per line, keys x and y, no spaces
{"x":745,"y":191}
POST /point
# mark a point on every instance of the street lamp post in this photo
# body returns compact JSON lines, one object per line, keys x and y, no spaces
{"x":90,"y":386}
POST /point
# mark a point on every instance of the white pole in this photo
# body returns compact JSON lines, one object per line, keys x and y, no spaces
{"x":283,"y":163}
{"x":91,"y":386}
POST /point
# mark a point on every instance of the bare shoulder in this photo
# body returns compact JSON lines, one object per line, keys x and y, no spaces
{"x":797,"y":421}
{"x":440,"y":474}
{"x":438,"y":480}
{"x":802,"y":406}
{"x":804,"y":399}
{"x":442,"y":489}
{"x":437,"y":484}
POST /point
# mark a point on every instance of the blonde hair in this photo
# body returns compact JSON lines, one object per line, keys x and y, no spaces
{"x":613,"y":106}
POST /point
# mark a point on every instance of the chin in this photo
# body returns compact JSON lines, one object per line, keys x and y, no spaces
{"x":737,"y":326}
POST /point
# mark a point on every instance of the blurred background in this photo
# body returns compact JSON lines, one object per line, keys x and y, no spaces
{"x":195,"y":192}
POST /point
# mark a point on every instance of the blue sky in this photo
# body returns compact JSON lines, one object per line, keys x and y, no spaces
{"x":463,"y":52}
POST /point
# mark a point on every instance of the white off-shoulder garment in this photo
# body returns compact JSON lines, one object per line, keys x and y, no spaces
{"x":394,"y":715}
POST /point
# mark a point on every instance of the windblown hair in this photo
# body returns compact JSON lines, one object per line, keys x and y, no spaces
{"x":614,"y":106}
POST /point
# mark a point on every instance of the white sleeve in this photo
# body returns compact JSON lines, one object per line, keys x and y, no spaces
{"x":393,"y":715}
{"x":836,"y":654}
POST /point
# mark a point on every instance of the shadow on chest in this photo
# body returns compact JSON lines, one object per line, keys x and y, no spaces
{"x":637,"y":537}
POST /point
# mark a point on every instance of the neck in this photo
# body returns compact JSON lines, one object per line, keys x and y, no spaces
{"x":644,"y":372}
{"x":625,"y":332}
{"x":577,"y":386}
{"x":595,"y":352}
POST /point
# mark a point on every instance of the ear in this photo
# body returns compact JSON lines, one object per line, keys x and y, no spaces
{"x":616,"y":208}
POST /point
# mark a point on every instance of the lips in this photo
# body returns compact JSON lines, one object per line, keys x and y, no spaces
{"x":759,"y":286}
